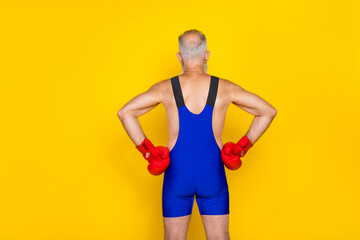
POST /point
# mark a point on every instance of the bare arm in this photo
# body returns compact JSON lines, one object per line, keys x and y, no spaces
{"x":264,"y":113}
{"x":136,"y":107}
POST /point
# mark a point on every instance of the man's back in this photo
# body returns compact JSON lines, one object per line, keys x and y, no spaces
{"x":195,"y":90}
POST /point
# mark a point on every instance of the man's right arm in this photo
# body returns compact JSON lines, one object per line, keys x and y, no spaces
{"x":264,"y":113}
{"x":136,"y":107}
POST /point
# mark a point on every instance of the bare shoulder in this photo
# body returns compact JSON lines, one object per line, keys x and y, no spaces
{"x":158,"y":86}
{"x":161,"y":89}
{"x":229,"y":85}
{"x":228,"y":89}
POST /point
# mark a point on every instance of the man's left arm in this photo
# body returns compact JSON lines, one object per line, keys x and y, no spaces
{"x":136,"y":107}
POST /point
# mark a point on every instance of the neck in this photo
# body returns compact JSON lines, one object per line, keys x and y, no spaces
{"x":200,"y":68}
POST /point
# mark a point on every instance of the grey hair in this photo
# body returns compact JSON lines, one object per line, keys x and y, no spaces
{"x":194,"y":48}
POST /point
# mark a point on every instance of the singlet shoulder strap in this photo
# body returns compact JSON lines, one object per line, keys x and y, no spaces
{"x":213,"y":91}
{"x":177,"y":91}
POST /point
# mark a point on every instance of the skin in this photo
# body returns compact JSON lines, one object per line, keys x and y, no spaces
{"x":194,"y":83}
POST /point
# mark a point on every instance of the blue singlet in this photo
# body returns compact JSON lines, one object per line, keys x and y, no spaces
{"x":195,"y":162}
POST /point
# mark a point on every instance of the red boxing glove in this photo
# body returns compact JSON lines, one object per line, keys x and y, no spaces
{"x":231,"y":152}
{"x":230,"y":159}
{"x":158,"y":157}
{"x":245,"y":144}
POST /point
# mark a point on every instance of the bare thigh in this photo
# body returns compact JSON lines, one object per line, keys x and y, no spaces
{"x":216,"y":226}
{"x":176,"y":227}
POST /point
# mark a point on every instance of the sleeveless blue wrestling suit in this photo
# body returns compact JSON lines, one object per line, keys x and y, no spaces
{"x":195,"y":166}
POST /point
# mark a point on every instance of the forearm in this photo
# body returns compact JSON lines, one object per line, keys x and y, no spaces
{"x":133,"y":128}
{"x":158,"y":157}
{"x":258,"y":126}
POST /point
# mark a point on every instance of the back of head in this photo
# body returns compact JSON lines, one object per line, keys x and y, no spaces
{"x":192,"y":45}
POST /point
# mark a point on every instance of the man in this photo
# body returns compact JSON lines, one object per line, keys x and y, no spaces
{"x":193,"y":161}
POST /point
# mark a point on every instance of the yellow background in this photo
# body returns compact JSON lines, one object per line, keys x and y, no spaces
{"x":68,"y":169}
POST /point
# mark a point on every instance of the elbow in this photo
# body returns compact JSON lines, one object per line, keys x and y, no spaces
{"x":269,"y":113}
{"x":122,"y":113}
{"x":273,"y":112}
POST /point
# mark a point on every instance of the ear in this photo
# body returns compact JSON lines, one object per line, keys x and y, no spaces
{"x":178,"y":54}
{"x":206,"y":58}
